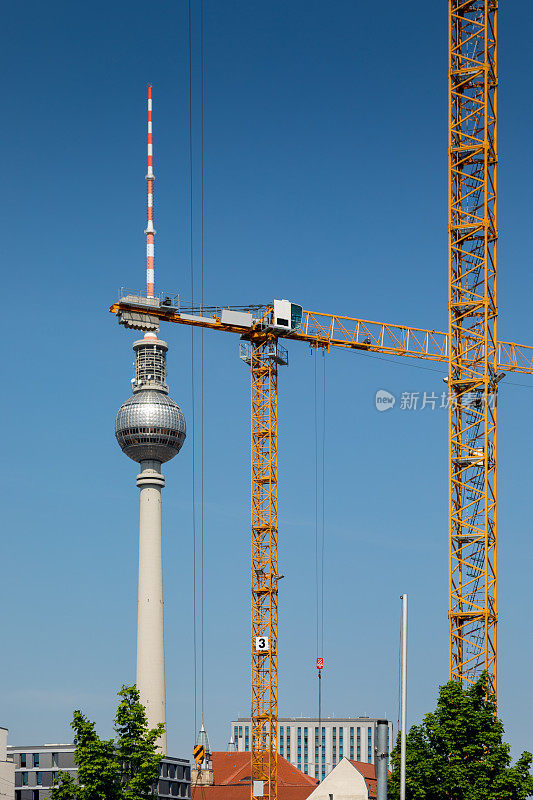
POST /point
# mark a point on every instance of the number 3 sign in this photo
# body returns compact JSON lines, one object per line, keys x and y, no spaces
{"x":261,"y":644}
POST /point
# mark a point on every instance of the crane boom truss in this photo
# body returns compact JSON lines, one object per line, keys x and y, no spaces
{"x":352,"y":333}
{"x":473,"y":349}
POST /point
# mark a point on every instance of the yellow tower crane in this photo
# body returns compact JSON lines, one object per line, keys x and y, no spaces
{"x":260,"y":329}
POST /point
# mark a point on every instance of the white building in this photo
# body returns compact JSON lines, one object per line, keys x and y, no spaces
{"x":7,"y":769}
{"x":316,"y":752}
{"x":348,"y":781}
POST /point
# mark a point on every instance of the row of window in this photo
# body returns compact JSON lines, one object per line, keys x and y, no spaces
{"x":285,"y":743}
{"x":34,"y":759}
{"x":174,"y":771}
{"x":38,"y":778}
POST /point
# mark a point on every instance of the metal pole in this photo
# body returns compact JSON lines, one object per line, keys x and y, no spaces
{"x":403,"y":697}
{"x":382,"y":758}
{"x":320,"y":720}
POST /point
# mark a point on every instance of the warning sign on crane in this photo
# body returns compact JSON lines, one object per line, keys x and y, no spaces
{"x":320,"y":663}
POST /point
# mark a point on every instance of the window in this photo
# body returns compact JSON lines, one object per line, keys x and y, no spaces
{"x":36,"y":759}
{"x":55,"y":761}
{"x":23,"y":759}
{"x":39,"y":779}
{"x":370,"y":745}
{"x":236,"y":735}
{"x":306,"y":769}
{"x":17,"y":795}
{"x":351,"y":743}
{"x":24,"y":778}
{"x":35,"y":794}
{"x":316,"y":774}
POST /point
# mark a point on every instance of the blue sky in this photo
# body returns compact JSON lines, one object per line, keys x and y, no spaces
{"x":325,"y":182}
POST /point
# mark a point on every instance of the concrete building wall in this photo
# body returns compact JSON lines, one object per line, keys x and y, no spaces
{"x":7,"y":769}
{"x":345,"y":782}
{"x":315,"y":752}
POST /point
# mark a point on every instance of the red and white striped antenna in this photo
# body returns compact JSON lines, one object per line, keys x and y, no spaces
{"x":150,"y":230}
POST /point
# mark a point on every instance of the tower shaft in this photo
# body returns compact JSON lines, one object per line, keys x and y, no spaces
{"x":150,"y":632}
{"x":473,"y":381}
{"x":264,"y":573}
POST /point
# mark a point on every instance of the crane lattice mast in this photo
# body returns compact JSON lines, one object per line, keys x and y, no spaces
{"x":473,"y":353}
{"x":264,"y":359}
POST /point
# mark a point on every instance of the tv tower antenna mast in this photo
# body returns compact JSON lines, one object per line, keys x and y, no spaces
{"x":150,"y":230}
{"x":150,"y":429}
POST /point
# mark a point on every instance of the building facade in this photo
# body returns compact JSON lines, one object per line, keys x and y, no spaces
{"x":315,"y":749}
{"x":349,"y":780}
{"x":7,"y":769}
{"x":36,"y":768}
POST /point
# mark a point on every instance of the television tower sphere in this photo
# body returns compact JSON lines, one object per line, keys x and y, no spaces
{"x":150,"y":426}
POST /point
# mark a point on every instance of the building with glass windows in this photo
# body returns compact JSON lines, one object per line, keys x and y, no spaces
{"x":315,"y":749}
{"x":36,"y":767}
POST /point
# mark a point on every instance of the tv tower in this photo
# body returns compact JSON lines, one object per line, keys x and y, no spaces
{"x":150,"y":429}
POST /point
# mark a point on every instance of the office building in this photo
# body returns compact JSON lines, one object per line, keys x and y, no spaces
{"x":317,"y":749}
{"x":36,"y":768}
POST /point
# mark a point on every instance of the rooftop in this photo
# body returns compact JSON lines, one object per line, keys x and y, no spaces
{"x":231,"y":773}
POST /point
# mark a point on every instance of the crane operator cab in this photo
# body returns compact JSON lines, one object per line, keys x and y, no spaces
{"x":287,"y":317}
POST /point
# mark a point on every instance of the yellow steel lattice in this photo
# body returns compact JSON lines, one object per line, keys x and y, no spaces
{"x":473,"y":350}
{"x":264,"y":573}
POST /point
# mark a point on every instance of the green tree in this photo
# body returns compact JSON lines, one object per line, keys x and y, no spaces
{"x":458,"y":752}
{"x":124,"y":768}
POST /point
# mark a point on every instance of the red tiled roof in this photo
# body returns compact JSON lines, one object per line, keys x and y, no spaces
{"x":368,"y":771}
{"x":231,"y":772}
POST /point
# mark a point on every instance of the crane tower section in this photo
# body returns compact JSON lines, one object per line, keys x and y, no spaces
{"x":265,"y":354}
{"x":472,"y":376}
